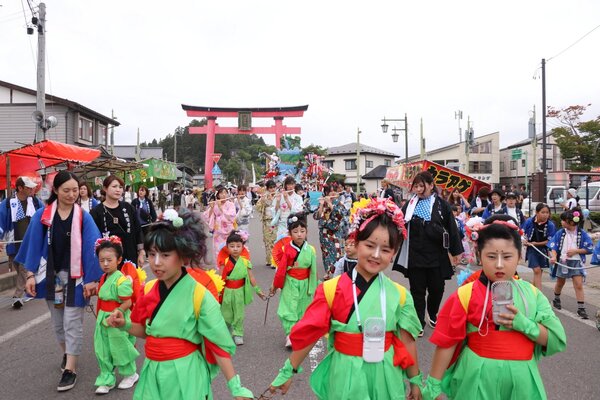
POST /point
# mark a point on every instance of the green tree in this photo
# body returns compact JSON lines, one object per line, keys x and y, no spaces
{"x":316,"y":149}
{"x":577,"y":141}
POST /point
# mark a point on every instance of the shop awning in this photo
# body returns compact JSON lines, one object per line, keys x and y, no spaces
{"x":156,"y":173}
{"x":47,"y":153}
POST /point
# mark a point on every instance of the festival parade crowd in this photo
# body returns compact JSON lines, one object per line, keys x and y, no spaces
{"x":488,"y":335}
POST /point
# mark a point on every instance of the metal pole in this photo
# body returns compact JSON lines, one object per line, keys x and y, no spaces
{"x":544,"y":177}
{"x":422,"y":147}
{"x":112,"y":134}
{"x":358,"y":160}
{"x":405,"y":139}
{"x":41,"y":72}
{"x":175,"y":149}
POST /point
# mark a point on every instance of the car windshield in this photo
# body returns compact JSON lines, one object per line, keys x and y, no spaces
{"x":593,"y":191}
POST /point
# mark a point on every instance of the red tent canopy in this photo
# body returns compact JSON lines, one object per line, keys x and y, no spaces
{"x":28,"y":159}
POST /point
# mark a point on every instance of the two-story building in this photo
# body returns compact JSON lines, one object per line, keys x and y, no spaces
{"x":77,"y":124}
{"x":343,"y":160}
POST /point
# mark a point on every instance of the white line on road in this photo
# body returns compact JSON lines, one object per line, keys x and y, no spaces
{"x":315,"y":354}
{"x":574,"y":316}
{"x":24,"y":327}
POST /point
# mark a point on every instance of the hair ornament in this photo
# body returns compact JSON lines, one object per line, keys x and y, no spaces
{"x":474,"y":228}
{"x":243,"y":234}
{"x":172,"y":216}
{"x":576,"y":216}
{"x":111,"y":239}
{"x":292,"y":219}
{"x":366,"y":210}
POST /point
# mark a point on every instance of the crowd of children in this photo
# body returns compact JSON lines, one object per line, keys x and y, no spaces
{"x":192,"y":320}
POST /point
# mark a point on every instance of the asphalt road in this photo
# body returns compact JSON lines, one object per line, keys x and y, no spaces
{"x":31,"y":358}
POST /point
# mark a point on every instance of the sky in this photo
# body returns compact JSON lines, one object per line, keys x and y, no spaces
{"x":352,"y":62}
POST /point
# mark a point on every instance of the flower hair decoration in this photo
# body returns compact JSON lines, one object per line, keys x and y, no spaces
{"x":110,"y":239}
{"x":172,"y":216}
{"x":365,"y":210}
{"x":576,"y":216}
{"x":474,"y":229}
{"x":243,"y":234}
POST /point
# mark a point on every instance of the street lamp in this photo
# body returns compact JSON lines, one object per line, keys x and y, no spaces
{"x":395,"y":135}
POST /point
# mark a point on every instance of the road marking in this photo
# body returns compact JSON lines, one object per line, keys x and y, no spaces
{"x":576,"y":317}
{"x":24,"y":327}
{"x":315,"y":354}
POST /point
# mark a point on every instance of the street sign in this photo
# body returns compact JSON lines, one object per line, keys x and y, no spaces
{"x":216,"y":157}
{"x":516,"y":154}
{"x":216,"y":170}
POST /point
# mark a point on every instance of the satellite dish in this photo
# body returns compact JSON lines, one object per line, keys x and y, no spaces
{"x":37,"y":116}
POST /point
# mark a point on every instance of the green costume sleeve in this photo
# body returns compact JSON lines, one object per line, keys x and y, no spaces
{"x":125,"y":289}
{"x":407,"y":316}
{"x":557,"y":339}
{"x":212,"y":326}
{"x":312,"y":283}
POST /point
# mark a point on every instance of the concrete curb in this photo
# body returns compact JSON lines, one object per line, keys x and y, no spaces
{"x":8,"y":281}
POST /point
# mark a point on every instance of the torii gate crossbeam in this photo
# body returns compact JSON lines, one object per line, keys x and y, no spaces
{"x":212,"y":128}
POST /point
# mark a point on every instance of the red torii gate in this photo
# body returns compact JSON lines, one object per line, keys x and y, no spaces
{"x":244,"y":116}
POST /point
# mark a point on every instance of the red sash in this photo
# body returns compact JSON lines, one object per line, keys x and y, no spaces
{"x":501,"y":345}
{"x":351,"y":344}
{"x":234,"y":284}
{"x":107,"y":305}
{"x":163,"y":349}
{"x":300,"y":274}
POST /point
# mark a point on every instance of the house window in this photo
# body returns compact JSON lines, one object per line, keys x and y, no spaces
{"x":523,"y":162}
{"x":86,"y":130}
{"x":513,"y":165}
{"x":387,"y":162}
{"x":327,"y":164}
{"x":501,"y":166}
{"x":480,"y":167}
{"x":102,"y":135}
{"x":485,"y":148}
{"x":441,"y":162}
{"x":549,"y":163}
{"x":350,"y":165}
{"x":369,"y":163}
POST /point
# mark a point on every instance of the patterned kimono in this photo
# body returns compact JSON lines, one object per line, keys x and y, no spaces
{"x":296,"y":276}
{"x":220,"y":222}
{"x":185,"y":330}
{"x":343,"y":374}
{"x":330,"y":224}
{"x":113,"y":346}
{"x":495,"y":362}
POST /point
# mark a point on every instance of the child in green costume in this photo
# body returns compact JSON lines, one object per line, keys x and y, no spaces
{"x":239,"y":284}
{"x":186,"y":336}
{"x":482,"y":352}
{"x":371,"y":320}
{"x":113,"y":347}
{"x":296,"y":275}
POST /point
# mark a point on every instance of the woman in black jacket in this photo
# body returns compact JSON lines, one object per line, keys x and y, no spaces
{"x":432,"y":247}
{"x":144,"y":209}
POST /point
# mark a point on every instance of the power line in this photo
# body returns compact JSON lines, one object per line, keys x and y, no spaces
{"x":573,"y":44}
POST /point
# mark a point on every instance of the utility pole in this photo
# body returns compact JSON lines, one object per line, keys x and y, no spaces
{"x":458,"y":115}
{"x":534,"y":148}
{"x":41,"y":72}
{"x":544,"y":177}
{"x":422,"y":141}
{"x":175,"y":149}
{"x":112,"y":134}
{"x":357,"y":161}
{"x":468,"y":139}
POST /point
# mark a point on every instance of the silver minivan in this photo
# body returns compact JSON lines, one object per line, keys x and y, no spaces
{"x":594,"y":196}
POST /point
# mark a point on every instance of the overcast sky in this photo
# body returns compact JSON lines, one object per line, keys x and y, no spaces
{"x":352,"y":62}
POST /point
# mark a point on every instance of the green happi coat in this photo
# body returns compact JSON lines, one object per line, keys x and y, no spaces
{"x":296,"y":294}
{"x":113,"y":347}
{"x":476,"y":377}
{"x":343,"y":377}
{"x":234,"y":301}
{"x":188,"y":377}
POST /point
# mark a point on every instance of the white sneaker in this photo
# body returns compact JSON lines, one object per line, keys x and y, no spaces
{"x":104,"y":389}
{"x":288,"y":342}
{"x":238,"y":340}
{"x":129,"y":381}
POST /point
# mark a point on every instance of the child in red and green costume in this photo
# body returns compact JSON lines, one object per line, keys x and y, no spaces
{"x":240,"y":285}
{"x":357,"y":303}
{"x":476,"y":358}
{"x":296,"y":275}
{"x":186,"y":336}
{"x":113,"y":347}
